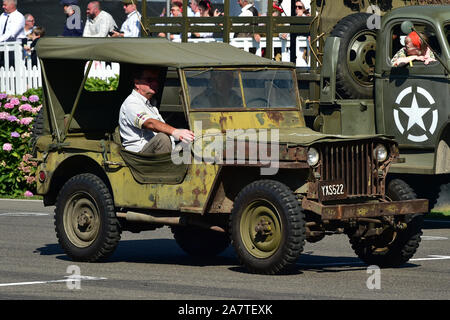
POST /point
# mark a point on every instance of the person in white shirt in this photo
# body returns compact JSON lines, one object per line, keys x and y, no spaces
{"x":29,"y":25}
{"x":99,"y":22}
{"x":193,"y":9}
{"x":141,"y":126}
{"x":132,"y":25}
{"x":248,"y":9}
{"x":12,"y":22}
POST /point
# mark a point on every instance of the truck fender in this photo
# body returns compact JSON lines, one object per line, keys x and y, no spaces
{"x":442,"y":164}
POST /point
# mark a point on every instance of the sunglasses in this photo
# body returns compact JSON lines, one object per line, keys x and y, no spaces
{"x":299,"y":7}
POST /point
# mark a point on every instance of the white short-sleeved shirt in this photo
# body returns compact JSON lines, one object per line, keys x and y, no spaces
{"x":99,"y":26}
{"x":132,"y":26}
{"x":133,"y":113}
{"x":15,"y":25}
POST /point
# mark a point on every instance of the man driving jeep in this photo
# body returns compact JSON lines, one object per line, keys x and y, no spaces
{"x":142,"y":128}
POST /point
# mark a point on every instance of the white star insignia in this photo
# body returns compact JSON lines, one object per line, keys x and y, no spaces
{"x":415,"y":114}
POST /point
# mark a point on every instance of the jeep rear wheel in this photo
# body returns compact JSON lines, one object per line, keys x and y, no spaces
{"x":200,"y":242}
{"x":267,"y":227}
{"x":393,"y":247}
{"x":85,"y":219}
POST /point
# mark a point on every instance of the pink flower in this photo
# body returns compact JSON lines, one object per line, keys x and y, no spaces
{"x":30,"y":179}
{"x":33,"y":98}
{"x":8,"y":105}
{"x":4,"y":115}
{"x":7,"y":147}
{"x":26,"y":121}
{"x":24,"y":98}
{"x":12,"y":118}
{"x":14,"y":101}
{"x":15,"y":134}
{"x":3,"y":96}
{"x":28,"y":193}
{"x":26,"y":107}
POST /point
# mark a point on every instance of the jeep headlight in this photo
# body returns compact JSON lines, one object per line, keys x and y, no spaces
{"x":312,"y":157}
{"x":380,"y":153}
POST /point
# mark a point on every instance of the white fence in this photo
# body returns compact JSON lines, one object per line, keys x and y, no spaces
{"x":17,"y":78}
{"x":22,"y":76}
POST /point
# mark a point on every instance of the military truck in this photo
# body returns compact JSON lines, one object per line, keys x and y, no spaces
{"x":350,"y":87}
{"x":255,"y":173}
{"x":360,"y":92}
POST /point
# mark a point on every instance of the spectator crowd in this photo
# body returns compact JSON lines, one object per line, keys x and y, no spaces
{"x":15,"y":26}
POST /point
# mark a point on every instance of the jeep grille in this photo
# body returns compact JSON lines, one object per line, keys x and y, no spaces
{"x":354,"y":164}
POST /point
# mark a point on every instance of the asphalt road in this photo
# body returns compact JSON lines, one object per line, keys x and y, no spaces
{"x":149,"y":265}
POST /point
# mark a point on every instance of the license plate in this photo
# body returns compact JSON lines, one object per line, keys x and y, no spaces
{"x":332,"y":190}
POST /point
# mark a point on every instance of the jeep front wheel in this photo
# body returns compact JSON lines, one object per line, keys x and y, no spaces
{"x":267,"y":227}
{"x":85,"y":219}
{"x":393,"y":247}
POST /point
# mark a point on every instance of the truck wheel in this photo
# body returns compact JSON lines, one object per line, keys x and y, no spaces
{"x":354,"y":73}
{"x":85,"y":219}
{"x":392,"y":248}
{"x":267,"y":227}
{"x":200,"y":242}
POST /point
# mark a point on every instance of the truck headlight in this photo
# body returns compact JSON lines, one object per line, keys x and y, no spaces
{"x":380,"y":153}
{"x":313,"y":157}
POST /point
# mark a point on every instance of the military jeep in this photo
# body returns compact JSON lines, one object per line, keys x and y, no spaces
{"x":255,"y":175}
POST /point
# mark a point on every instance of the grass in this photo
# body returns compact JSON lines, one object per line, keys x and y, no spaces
{"x":21,"y":197}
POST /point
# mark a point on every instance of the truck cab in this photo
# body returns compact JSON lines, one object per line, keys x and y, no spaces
{"x":412,"y":102}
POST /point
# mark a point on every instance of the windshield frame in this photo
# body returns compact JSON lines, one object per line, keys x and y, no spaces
{"x":244,"y":108}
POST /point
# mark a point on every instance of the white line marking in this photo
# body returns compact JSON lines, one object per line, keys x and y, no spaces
{"x":23,"y":214}
{"x":433,"y":238}
{"x":69,"y":278}
{"x":432,"y":257}
{"x":32,"y":200}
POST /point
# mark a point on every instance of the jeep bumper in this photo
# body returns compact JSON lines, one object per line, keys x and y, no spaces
{"x":366,"y":210}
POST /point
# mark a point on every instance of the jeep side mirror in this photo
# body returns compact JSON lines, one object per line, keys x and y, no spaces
{"x":407,"y":27}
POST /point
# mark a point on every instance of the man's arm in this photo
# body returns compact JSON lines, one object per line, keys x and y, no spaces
{"x":159,"y":126}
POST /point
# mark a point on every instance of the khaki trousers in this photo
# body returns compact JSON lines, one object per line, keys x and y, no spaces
{"x":160,"y":143}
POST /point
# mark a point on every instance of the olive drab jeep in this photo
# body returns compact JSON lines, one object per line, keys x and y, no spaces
{"x":255,"y":175}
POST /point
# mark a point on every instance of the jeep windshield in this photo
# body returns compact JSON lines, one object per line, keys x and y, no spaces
{"x":241,"y":88}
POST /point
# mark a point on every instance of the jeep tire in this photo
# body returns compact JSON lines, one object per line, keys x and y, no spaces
{"x":267,"y":227}
{"x":85,"y":219}
{"x":392,"y":248}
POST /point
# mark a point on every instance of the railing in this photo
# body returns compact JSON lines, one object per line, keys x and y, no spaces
{"x":19,"y":75}
{"x":281,"y":46}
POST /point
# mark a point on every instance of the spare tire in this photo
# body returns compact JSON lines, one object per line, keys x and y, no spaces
{"x":355,"y":72}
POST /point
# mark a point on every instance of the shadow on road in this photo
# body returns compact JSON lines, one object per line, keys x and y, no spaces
{"x":166,"y":251}
{"x":158,"y":251}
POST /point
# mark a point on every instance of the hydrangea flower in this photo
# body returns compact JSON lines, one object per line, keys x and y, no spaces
{"x":14,"y":101}
{"x":33,"y":98}
{"x":24,"y":98}
{"x":7,"y":147}
{"x":26,"y":121}
{"x":4,"y":115}
{"x":3,"y":96}
{"x":8,"y":105}
{"x":15,"y":134}
{"x":12,"y":118}
{"x":26,"y":107}
{"x":28,"y":193}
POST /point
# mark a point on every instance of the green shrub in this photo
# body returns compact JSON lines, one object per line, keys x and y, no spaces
{"x":16,"y":121}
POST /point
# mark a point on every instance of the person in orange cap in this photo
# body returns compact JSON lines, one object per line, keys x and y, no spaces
{"x":415,"y":49}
